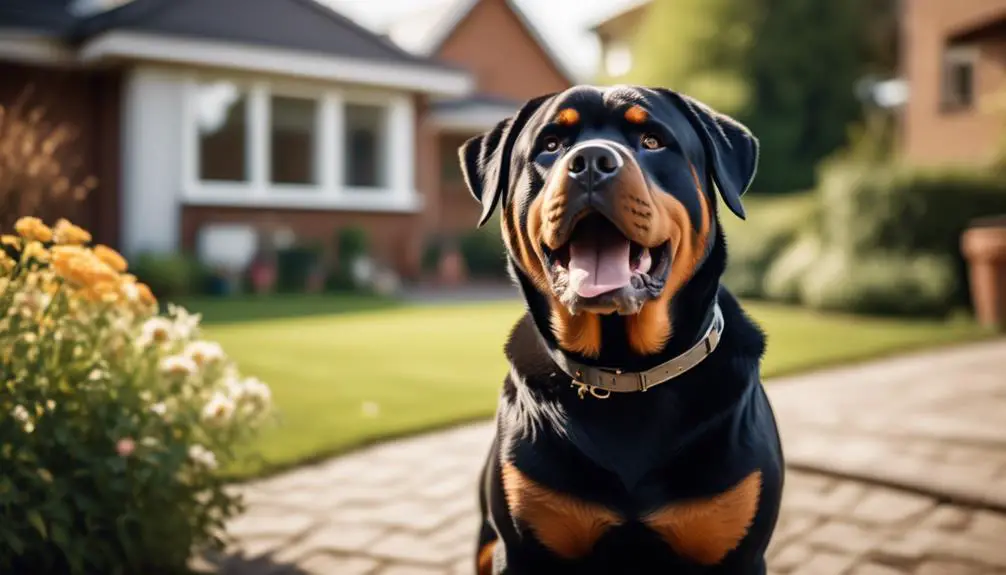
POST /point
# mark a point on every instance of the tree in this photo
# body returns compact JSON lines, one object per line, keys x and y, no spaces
{"x":786,"y":68}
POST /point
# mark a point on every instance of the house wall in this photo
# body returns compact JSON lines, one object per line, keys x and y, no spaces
{"x":931,"y":134}
{"x":493,"y":45}
{"x":163,"y":213}
{"x":92,"y":112}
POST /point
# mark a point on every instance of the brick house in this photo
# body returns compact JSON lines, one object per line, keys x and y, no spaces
{"x":954,"y":61}
{"x":215,"y":125}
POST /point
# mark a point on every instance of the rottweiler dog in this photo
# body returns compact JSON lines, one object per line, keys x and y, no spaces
{"x":633,"y":434}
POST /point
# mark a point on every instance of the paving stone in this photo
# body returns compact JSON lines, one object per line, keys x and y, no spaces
{"x":408,"y":547}
{"x":790,"y":557}
{"x":889,"y":507}
{"x":940,"y":567}
{"x":845,"y":537}
{"x":342,"y":538}
{"x":948,"y":518}
{"x":409,"y":570}
{"x":270,"y":523}
{"x":988,"y":525}
{"x":825,"y":563}
{"x":332,"y":565}
{"x":876,"y":569}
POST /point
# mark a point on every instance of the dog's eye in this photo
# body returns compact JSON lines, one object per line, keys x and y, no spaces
{"x":550,"y":143}
{"x":651,"y":142}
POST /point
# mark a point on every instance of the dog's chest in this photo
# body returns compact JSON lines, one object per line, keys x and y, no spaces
{"x":698,"y":530}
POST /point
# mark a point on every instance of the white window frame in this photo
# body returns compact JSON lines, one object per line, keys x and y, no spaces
{"x":330,"y":192}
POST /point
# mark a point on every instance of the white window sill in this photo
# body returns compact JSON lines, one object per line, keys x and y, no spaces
{"x":295,"y":197}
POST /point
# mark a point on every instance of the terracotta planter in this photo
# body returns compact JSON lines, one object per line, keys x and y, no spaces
{"x":984,"y":246}
{"x":451,"y":268}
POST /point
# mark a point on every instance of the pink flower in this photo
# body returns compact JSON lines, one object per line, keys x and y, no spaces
{"x":125,"y":447}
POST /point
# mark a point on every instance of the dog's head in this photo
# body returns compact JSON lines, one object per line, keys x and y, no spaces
{"x":607,"y":203}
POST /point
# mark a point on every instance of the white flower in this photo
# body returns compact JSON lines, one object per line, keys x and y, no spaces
{"x":371,"y":409}
{"x":178,"y":365}
{"x":157,"y":330}
{"x":20,"y":413}
{"x":203,"y":456}
{"x":149,"y":442}
{"x":204,"y":352}
{"x":159,"y":408}
{"x":96,"y":375}
{"x":185,"y":323}
{"x":250,"y":388}
{"x":219,"y":408}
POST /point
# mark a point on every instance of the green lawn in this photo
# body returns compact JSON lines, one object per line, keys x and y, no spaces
{"x":424,"y":367}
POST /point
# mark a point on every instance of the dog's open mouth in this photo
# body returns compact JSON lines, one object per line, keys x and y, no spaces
{"x":601,"y":268}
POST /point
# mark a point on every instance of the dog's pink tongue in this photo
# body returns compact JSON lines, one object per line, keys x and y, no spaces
{"x":599,"y":263}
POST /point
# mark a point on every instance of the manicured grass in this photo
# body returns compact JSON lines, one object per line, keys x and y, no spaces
{"x":250,"y":308}
{"x":426,"y":367}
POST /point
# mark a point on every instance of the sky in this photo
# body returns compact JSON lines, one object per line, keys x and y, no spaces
{"x":563,"y":23}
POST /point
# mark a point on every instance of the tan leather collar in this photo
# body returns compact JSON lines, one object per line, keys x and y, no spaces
{"x":601,"y":382}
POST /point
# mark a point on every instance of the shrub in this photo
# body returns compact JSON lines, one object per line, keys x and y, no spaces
{"x":114,"y":418}
{"x":351,"y":245}
{"x":483,"y":252}
{"x":171,"y":275}
{"x":783,"y":280}
{"x":879,"y":283}
{"x":754,"y":244}
{"x":294,"y":266}
{"x":37,"y":175}
{"x":908,"y":211}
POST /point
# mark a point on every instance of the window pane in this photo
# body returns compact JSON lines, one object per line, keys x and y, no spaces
{"x":223,"y":132}
{"x":366,"y":146}
{"x":293,"y":140}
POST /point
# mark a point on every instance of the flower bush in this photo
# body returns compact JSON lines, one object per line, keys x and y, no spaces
{"x":113,"y":418}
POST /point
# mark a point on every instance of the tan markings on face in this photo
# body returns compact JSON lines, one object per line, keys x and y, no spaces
{"x":581,"y":333}
{"x":485,"y":558}
{"x":567,"y":117}
{"x":649,"y":330}
{"x":636,"y":115}
{"x":706,"y":530}
{"x":568,"y":526}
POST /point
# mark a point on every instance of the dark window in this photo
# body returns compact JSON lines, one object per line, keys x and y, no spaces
{"x":959,"y":78}
{"x":293,"y":140}
{"x":222,"y":110}
{"x":366,"y":146}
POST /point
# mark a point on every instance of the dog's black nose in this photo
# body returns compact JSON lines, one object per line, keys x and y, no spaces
{"x":594,"y":164}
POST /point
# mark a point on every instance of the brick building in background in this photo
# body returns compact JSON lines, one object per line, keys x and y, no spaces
{"x":954,"y":62}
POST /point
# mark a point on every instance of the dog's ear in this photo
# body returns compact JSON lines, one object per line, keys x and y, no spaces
{"x":485,"y":159}
{"x":730,"y":147}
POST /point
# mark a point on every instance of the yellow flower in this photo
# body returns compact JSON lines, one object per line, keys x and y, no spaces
{"x":111,"y":258}
{"x":80,"y":266}
{"x":146,"y":296}
{"x":6,"y":262}
{"x":12,"y":241}
{"x":33,"y":229}
{"x":67,"y":233}
{"x":35,"y":250}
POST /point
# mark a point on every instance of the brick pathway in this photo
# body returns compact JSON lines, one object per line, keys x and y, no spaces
{"x":934,"y":423}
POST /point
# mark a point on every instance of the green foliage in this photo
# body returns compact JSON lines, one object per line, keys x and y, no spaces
{"x":784,"y":278}
{"x":754,"y":244}
{"x":112,"y":422}
{"x":880,"y":283}
{"x":171,"y":275}
{"x":294,"y":265}
{"x":351,"y":244}
{"x":483,"y":252}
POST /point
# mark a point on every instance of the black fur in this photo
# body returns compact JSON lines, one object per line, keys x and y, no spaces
{"x":693,"y":437}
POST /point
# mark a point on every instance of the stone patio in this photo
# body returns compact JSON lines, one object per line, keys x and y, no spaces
{"x":897,"y":467}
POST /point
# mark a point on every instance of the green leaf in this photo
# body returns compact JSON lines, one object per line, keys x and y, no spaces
{"x":35,"y":518}
{"x":13,"y":541}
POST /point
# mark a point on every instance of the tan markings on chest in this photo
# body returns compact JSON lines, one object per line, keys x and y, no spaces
{"x":705,"y":530}
{"x":568,"y":526}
